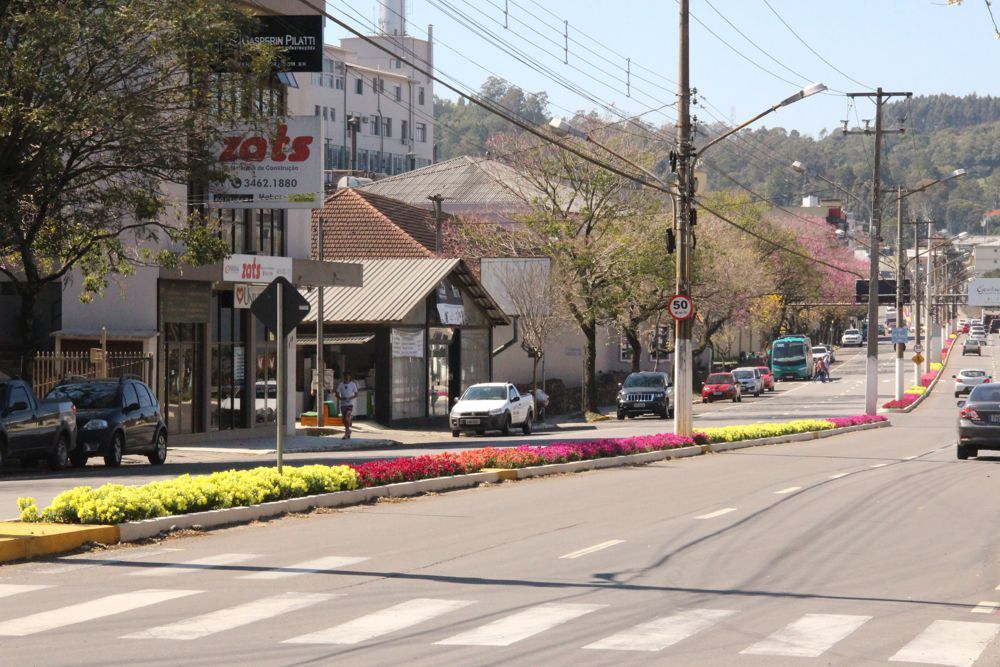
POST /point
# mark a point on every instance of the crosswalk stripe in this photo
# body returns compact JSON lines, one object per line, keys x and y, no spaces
{"x":306,"y":567}
{"x":809,"y":636}
{"x":524,"y":624}
{"x":666,"y":631}
{"x":209,"y":562}
{"x":14,"y":589}
{"x":393,"y":619}
{"x":955,"y":643}
{"x":73,"y":563}
{"x":233,"y":617}
{"x":88,"y":611}
{"x":986,"y":607}
{"x":712,"y":515}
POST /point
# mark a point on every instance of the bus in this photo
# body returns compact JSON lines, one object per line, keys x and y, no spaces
{"x":791,"y":358}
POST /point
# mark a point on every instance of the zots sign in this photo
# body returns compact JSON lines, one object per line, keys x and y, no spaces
{"x":280,"y":167}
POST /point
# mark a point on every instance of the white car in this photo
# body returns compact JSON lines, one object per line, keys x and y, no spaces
{"x":822,"y":352}
{"x":968,"y":378}
{"x":492,"y":406}
{"x":852,"y":337}
{"x":980,"y":336}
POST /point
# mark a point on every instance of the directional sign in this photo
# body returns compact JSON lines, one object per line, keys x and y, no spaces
{"x":294,"y":307}
{"x":918,"y":348}
{"x":680,"y":307}
{"x":900,"y":335}
{"x":918,"y":359}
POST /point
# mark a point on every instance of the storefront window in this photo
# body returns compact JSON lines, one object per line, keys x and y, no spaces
{"x":475,"y":356}
{"x":228,"y":365}
{"x":409,"y":374}
{"x":438,"y":371}
{"x":266,"y":388}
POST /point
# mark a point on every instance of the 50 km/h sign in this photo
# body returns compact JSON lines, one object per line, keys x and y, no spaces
{"x":680,"y":307}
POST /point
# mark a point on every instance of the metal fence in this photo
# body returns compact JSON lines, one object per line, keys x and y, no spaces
{"x":53,"y":367}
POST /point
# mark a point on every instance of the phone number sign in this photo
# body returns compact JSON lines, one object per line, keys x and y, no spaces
{"x":681,"y":307}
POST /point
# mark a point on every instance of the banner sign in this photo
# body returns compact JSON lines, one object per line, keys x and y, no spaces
{"x":407,"y":343}
{"x":243,"y":295}
{"x":984,"y":292}
{"x":298,"y":38}
{"x":284,"y":170}
{"x":260,"y":269}
{"x":450,"y":307}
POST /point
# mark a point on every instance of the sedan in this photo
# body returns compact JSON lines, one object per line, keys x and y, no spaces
{"x":851,"y":337}
{"x":972,"y":346}
{"x":766,"y":377}
{"x":720,"y":386}
{"x":979,"y":421}
{"x":968,"y":378}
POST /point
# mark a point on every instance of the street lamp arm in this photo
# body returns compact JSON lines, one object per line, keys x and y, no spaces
{"x":811,"y":89}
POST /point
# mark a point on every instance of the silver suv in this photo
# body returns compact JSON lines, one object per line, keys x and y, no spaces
{"x":750,"y":379}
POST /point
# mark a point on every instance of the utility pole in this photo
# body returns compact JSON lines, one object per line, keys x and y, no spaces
{"x":930,"y":304}
{"x":916,"y":299}
{"x":900,"y":347}
{"x":320,"y":370}
{"x":874,"y":233}
{"x":683,"y":362}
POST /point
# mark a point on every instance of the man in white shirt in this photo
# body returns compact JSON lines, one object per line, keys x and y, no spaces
{"x":347,"y":391}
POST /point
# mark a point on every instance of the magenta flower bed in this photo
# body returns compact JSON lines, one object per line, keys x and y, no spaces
{"x":927,"y":378}
{"x":906,"y":401}
{"x":856,"y":420}
{"x":408,"y":469}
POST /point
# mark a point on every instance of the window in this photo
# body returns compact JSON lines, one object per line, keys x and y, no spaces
{"x":339,"y":83}
{"x":129,"y":396}
{"x":19,"y":395}
{"x":422,"y":132}
{"x":359,"y":86}
{"x":325,"y":113}
{"x":404,"y":127}
{"x":376,"y":126}
{"x":317,"y":110}
{"x":387,"y":127}
{"x":333,"y":113}
{"x":145,"y":396}
{"x":399,"y":93}
{"x":420,"y":96}
{"x":381,"y":86}
{"x":398,"y":64}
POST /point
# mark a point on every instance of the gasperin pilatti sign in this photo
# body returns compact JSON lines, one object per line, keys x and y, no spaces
{"x":299,"y":38}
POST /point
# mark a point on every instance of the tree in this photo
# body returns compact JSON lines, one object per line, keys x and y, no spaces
{"x":102,"y":103}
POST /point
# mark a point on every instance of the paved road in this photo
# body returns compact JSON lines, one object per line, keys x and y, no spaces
{"x":871,"y":548}
{"x":792,"y":400}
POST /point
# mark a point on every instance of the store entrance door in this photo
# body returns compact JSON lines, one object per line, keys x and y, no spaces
{"x":183,"y":381}
{"x":439,"y":371}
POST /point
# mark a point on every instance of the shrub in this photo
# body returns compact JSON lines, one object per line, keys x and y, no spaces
{"x":906,"y":401}
{"x":115,"y":503}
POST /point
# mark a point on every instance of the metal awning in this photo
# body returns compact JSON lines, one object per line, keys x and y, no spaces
{"x":335,"y":339}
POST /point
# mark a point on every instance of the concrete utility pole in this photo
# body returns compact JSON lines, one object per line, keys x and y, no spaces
{"x":320,"y":389}
{"x":916,"y":298}
{"x":683,"y":380}
{"x":874,"y":233}
{"x":900,"y":347}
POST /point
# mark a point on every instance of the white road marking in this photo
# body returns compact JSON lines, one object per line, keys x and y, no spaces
{"x":73,"y":563}
{"x":233,"y":617}
{"x":954,"y":643}
{"x":986,"y":607}
{"x":88,"y":611}
{"x":788,"y":490}
{"x":590,"y":550}
{"x":306,"y":567}
{"x":382,"y":622}
{"x":15,"y":589}
{"x":712,"y":515}
{"x":808,"y":637}
{"x":880,"y":465}
{"x":910,"y":458}
{"x":839,"y":475}
{"x":663,"y":632}
{"x":524,"y":624}
{"x":207,"y":563}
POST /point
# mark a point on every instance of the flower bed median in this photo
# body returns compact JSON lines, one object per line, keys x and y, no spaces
{"x":115,"y":503}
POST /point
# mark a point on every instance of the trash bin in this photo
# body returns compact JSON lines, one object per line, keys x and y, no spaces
{"x":331,"y":409}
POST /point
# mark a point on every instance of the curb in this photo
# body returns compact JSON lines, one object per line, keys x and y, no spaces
{"x":25,"y":540}
{"x":913,"y":406}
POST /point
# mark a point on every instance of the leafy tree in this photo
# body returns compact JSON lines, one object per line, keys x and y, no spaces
{"x":102,"y":104}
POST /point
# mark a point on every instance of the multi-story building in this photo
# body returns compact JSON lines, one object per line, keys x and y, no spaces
{"x":392,"y":102}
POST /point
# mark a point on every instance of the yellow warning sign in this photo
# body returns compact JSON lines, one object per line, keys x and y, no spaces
{"x":918,"y":358}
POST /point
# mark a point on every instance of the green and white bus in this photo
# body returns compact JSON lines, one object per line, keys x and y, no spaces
{"x":791,"y":358}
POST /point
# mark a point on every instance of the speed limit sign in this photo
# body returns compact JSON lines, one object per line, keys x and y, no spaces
{"x":681,"y":307}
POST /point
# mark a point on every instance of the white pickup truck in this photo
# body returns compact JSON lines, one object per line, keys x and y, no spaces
{"x":492,"y":406}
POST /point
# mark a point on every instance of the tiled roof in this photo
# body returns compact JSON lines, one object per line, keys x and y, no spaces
{"x":392,"y":288}
{"x":358,"y":224}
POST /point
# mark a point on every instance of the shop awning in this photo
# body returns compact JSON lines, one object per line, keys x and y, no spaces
{"x":112,"y":334}
{"x":335,"y":339}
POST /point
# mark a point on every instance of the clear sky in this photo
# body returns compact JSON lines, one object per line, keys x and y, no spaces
{"x":901,"y":45}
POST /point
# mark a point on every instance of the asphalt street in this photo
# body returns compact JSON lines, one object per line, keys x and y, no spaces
{"x":844,"y":395}
{"x":870,"y":548}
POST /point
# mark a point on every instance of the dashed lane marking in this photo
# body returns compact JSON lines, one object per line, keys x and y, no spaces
{"x":717,"y":513}
{"x":591,"y":549}
{"x":788,"y":490}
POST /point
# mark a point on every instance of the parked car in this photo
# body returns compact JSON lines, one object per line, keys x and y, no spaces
{"x":115,"y":418}
{"x":749,"y":379}
{"x":979,"y":421}
{"x":31,"y":429}
{"x":766,"y":377}
{"x":971,"y":346}
{"x":720,"y":386}
{"x":646,"y":393}
{"x":968,"y":378}
{"x":492,"y":406}
{"x":852,"y":337}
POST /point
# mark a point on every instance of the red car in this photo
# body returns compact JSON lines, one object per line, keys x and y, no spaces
{"x":765,"y":375}
{"x":719,"y":386}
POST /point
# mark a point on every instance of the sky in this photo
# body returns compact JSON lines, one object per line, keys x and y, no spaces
{"x":917,"y":46}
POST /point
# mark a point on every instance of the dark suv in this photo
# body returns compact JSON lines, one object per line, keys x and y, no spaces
{"x":114,"y":417}
{"x":644,"y":393}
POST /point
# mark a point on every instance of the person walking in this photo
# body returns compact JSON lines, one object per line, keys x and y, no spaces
{"x":347,"y":391}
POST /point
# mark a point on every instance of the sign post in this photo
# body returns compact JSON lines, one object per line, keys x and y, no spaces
{"x":279,"y":413}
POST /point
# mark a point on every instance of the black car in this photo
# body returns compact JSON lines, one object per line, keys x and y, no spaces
{"x":114,"y":417}
{"x":979,"y":420}
{"x":645,"y":393}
